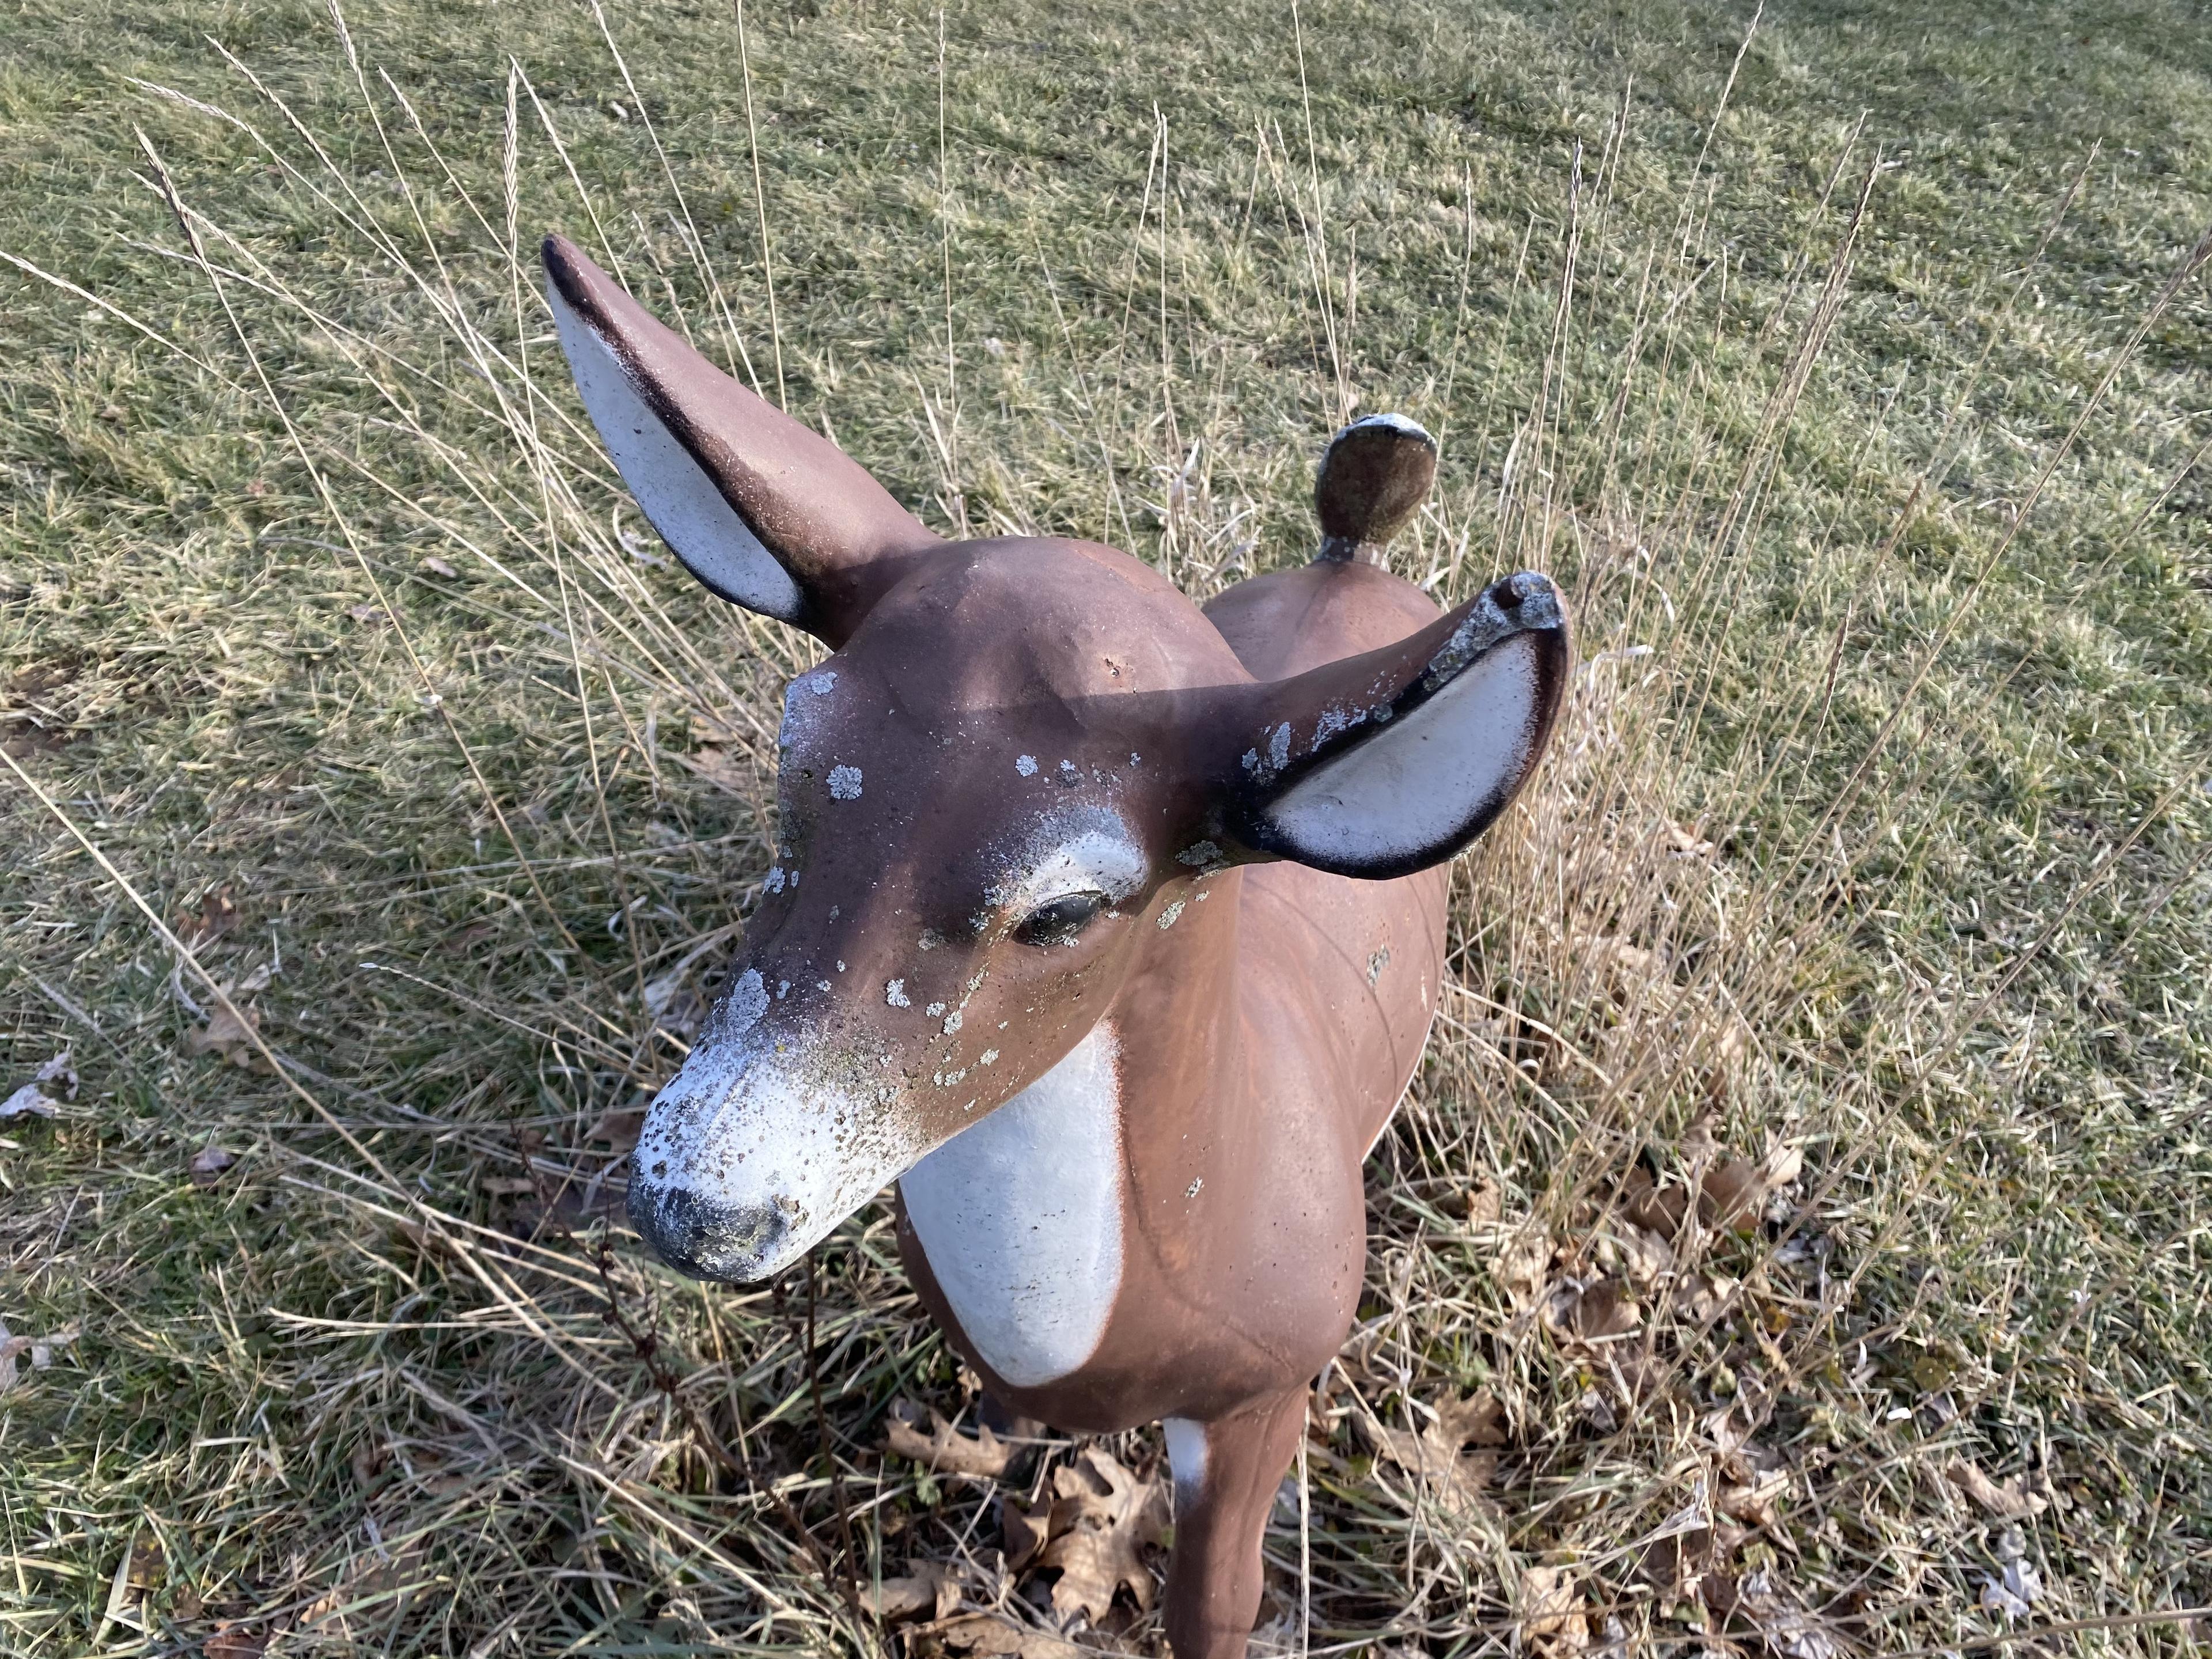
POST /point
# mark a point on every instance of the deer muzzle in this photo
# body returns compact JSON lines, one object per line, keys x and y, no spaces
{"x":763,"y":1141}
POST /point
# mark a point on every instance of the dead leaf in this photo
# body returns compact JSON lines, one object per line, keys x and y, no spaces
{"x":29,"y":1098}
{"x":1753,"y":1503}
{"x":928,"y":1589}
{"x":371,"y":1584}
{"x":1782,"y":1167}
{"x":1626,"y":968}
{"x":1676,"y":1565}
{"x":228,"y":1033}
{"x":234,"y":1640}
{"x":1731,"y":1192}
{"x":619,"y":1129}
{"x":366,"y":614}
{"x":1687,"y":843}
{"x":1589,"y":1316}
{"x":726,"y":772}
{"x":1645,"y":1257}
{"x":1025,"y":1533}
{"x":1729,"y":1049}
{"x":208,"y":1164}
{"x":985,"y":1635}
{"x":40,"y":1348}
{"x":1700,"y":1296}
{"x":368,"y":1460}
{"x":1110,"y":1515}
{"x":1434,"y":1454}
{"x":1784,"y":1625}
{"x":944,"y":1449}
{"x":1731,"y":1195}
{"x":1485,"y":1204}
{"x":2013,"y":1595}
{"x":216,"y":916}
{"x":1656,"y":1209}
{"x":2003,"y":1500}
{"x":53,"y":1085}
{"x":1551,"y":1612}
{"x":438,"y":567}
{"x":2018,"y":1587}
{"x":1522,"y":1265}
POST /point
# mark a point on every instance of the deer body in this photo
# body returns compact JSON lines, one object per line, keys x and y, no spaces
{"x":1111,"y":930}
{"x":1210,"y":1233}
{"x":1261,"y":1038}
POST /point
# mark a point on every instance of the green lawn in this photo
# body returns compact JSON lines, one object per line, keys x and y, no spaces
{"x":1852,"y":374}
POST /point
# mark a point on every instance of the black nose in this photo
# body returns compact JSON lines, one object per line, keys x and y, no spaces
{"x":707,"y":1240}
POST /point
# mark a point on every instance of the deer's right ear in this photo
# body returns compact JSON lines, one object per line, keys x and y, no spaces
{"x":1382,"y":764}
{"x":766,"y":514}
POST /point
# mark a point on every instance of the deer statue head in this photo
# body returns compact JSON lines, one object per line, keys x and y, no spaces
{"x":997,"y":796}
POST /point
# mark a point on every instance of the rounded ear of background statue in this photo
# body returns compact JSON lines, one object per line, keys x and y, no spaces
{"x":1373,"y":477}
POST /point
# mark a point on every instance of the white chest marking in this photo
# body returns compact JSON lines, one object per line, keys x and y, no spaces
{"x":1020,"y":1217}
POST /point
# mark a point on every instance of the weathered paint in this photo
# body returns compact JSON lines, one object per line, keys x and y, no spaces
{"x":1091,"y":1204}
{"x":1021,"y":1215}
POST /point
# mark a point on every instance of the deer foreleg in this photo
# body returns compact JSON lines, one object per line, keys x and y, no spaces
{"x":1226,"y":1475}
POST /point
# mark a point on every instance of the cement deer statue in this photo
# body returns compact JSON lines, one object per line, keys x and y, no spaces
{"x":1107,"y":928}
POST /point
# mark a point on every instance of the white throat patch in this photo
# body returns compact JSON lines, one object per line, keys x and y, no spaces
{"x":1020,"y":1217}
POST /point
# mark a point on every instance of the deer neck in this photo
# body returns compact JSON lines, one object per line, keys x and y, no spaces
{"x":1174,"y":1017}
{"x":1030,"y":1217}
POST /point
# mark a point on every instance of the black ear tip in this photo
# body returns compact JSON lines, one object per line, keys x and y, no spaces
{"x":570,"y":270}
{"x":1374,"y":477}
{"x":1529,"y":598}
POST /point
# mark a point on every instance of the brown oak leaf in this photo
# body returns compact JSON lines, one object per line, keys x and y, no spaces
{"x":1485,"y":1204}
{"x":1522,"y":1265}
{"x":1628,"y":969}
{"x":944,"y":1449}
{"x":228,"y":1033}
{"x":618,"y":1127}
{"x":1110,"y":1515}
{"x":1590,"y":1316}
{"x":2003,"y":1500}
{"x":1435,"y":1454}
{"x":1551,"y":1613}
{"x":1026,"y":1533}
{"x":234,"y":1640}
{"x":985,"y":1634}
{"x":928,"y":1589}
{"x":1753,"y":1501}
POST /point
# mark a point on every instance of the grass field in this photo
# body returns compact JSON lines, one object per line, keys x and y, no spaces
{"x":1811,"y":1161}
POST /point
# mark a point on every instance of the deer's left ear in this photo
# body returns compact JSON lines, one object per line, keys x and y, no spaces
{"x":1384,"y":764}
{"x":764,"y":512}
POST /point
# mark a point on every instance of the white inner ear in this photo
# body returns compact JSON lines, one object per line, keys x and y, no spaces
{"x":1416,"y":784}
{"x":704,"y":530}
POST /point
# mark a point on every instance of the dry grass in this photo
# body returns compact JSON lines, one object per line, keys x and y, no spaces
{"x":1807,"y":1176}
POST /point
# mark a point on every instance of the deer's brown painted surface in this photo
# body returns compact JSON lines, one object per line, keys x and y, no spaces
{"x":1110,"y":929}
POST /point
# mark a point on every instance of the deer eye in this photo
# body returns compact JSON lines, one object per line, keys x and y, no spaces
{"x":1060,"y":921}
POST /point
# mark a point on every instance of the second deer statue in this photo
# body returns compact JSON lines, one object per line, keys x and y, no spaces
{"x":1108,"y":928}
